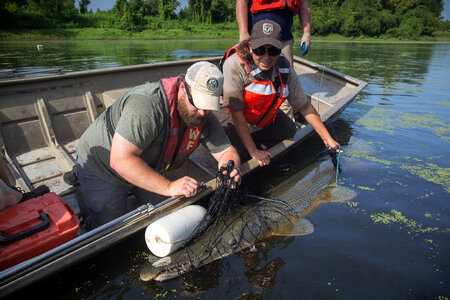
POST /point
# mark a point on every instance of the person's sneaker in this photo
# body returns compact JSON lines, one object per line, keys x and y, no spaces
{"x":39,"y":191}
{"x":71,"y":177}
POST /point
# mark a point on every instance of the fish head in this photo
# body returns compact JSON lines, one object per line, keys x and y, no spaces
{"x":157,"y":268}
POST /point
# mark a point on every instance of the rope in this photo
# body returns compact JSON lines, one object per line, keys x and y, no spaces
{"x":337,"y":165}
{"x":321,"y":78}
{"x":335,"y":158}
{"x":272,"y":200}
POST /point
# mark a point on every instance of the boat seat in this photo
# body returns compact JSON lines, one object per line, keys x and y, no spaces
{"x":109,"y":97}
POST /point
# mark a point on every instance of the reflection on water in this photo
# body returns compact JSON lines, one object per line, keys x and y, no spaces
{"x":391,"y":241}
{"x":23,"y":56}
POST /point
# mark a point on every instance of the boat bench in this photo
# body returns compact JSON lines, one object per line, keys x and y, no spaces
{"x":109,"y":97}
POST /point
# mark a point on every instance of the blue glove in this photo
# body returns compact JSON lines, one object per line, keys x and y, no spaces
{"x":304,"y":48}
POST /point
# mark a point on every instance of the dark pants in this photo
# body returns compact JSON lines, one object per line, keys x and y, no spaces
{"x":282,"y":128}
{"x":106,"y":201}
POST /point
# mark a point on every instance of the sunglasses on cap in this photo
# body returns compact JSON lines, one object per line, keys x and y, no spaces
{"x":262,"y":50}
{"x":188,"y":93}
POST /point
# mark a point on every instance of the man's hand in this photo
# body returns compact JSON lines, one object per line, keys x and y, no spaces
{"x":235,"y":176}
{"x":305,"y":43}
{"x":331,"y":143}
{"x":243,"y":36}
{"x":263,"y":157}
{"x":185,"y":186}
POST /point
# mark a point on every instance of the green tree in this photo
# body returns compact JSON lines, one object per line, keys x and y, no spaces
{"x":167,"y":9}
{"x":205,"y":11}
{"x":360,"y":17}
{"x":417,"y":22}
{"x":435,"y":6}
{"x":324,"y":17}
{"x":83,"y":5}
{"x":398,"y":5}
{"x":58,"y":10}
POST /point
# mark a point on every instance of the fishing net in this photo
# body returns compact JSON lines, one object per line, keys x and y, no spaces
{"x":234,"y":221}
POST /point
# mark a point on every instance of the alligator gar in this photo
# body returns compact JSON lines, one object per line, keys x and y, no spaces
{"x":244,"y":226}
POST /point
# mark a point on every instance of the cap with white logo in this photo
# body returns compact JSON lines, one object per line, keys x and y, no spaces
{"x":266,"y":32}
{"x":206,"y":83}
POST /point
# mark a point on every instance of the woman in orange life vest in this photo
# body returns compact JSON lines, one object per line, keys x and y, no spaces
{"x":249,"y":12}
{"x":257,"y":81}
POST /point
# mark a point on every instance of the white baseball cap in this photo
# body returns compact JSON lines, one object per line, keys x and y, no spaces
{"x":206,"y":83}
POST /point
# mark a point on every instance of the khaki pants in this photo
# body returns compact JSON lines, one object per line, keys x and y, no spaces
{"x":289,"y":54}
{"x":281,"y":129}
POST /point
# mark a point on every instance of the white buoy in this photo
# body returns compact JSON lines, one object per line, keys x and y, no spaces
{"x":40,"y":47}
{"x":166,"y":235}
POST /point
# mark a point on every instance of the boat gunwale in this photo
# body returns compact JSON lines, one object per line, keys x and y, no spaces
{"x":120,"y":69}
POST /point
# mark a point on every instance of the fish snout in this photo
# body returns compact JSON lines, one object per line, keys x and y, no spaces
{"x":147,"y":274}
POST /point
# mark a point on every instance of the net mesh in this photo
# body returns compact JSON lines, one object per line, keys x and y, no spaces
{"x":233,"y":221}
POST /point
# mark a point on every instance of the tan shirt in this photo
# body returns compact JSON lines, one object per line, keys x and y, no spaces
{"x":237,"y":77}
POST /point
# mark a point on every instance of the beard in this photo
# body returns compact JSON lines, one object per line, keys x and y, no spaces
{"x":190,"y":119}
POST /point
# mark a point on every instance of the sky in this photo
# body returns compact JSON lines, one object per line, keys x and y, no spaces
{"x":108,"y":4}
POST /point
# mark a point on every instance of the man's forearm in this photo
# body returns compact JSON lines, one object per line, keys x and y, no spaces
{"x":229,"y":154}
{"x":305,"y":16}
{"x":134,"y":170}
{"x":242,"y":16}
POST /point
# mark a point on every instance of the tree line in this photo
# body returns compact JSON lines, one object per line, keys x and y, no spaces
{"x":372,"y":18}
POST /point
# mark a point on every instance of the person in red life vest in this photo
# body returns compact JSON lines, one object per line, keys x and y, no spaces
{"x":249,"y":12}
{"x":150,"y":129}
{"x":258,"y":79}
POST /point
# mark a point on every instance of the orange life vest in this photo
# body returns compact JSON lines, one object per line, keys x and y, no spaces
{"x":265,"y":5}
{"x":262,"y":96}
{"x":176,"y":147}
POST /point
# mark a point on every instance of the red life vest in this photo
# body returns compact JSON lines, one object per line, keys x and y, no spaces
{"x":262,"y":96}
{"x":265,"y":5}
{"x":176,"y":148}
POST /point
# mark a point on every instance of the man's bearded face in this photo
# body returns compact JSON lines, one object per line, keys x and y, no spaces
{"x":191,"y":117}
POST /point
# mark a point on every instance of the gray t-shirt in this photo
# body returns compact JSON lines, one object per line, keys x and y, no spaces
{"x":140,"y":117}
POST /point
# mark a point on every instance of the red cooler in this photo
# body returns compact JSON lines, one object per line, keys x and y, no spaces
{"x":33,"y":227}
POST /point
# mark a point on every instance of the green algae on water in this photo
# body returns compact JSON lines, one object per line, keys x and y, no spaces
{"x":396,"y":217}
{"x":388,"y":120}
{"x":432,"y":173}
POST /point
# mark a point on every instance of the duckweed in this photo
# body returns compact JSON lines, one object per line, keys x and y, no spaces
{"x":396,"y":217}
{"x":165,"y":293}
{"x":429,"y":171}
{"x":389,"y":120}
{"x":366,"y":188}
{"x":432,"y":173}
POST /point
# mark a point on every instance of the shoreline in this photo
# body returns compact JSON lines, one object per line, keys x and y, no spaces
{"x":80,"y":34}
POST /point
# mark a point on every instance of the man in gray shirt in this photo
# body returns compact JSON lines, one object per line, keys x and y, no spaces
{"x":151,"y":128}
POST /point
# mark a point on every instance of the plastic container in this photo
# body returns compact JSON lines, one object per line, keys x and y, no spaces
{"x":33,"y":227}
{"x":166,"y":235}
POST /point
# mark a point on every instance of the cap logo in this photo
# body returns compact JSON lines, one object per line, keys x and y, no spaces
{"x":212,"y":84}
{"x":267,"y":28}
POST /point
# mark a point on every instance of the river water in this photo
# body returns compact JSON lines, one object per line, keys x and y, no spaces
{"x":392,"y":241}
